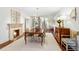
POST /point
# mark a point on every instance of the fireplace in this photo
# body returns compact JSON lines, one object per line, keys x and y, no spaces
{"x":16,"y":33}
{"x":15,"y":30}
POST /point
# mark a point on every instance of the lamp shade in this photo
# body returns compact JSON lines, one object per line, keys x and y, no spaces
{"x":59,"y":21}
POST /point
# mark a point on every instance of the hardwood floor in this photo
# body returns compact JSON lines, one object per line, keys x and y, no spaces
{"x":9,"y":42}
{"x":5,"y":43}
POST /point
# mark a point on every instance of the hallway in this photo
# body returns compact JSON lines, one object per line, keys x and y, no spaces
{"x":19,"y":45}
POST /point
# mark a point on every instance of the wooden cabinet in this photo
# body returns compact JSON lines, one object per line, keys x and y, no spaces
{"x":61,"y":33}
{"x":57,"y":34}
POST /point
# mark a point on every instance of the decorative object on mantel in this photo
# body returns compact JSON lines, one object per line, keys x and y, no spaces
{"x":59,"y":22}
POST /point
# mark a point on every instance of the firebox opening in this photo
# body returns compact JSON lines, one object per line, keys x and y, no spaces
{"x":16,"y":33}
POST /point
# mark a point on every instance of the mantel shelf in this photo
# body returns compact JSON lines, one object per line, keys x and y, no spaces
{"x":15,"y":25}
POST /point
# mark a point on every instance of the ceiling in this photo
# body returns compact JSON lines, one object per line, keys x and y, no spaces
{"x":42,"y":11}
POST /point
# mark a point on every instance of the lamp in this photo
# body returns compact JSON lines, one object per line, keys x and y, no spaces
{"x":59,"y":22}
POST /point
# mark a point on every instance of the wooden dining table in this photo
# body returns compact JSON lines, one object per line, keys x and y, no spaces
{"x":32,"y":33}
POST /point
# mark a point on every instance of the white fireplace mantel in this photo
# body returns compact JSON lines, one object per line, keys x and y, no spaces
{"x":13,"y":27}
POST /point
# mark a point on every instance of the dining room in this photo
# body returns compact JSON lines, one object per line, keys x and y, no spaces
{"x":43,"y":28}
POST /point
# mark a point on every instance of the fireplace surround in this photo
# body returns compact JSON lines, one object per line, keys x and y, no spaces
{"x":15,"y":30}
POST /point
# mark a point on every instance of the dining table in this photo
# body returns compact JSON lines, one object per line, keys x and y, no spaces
{"x":32,"y":33}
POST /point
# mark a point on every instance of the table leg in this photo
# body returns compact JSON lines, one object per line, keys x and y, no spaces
{"x":25,"y":37}
{"x":42,"y":40}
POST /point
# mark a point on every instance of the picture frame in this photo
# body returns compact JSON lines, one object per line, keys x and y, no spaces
{"x":15,"y":16}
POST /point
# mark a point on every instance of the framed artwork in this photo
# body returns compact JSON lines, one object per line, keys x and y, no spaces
{"x":73,"y":14}
{"x":15,"y":16}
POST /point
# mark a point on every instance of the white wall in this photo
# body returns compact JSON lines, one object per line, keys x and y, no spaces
{"x":4,"y":19}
